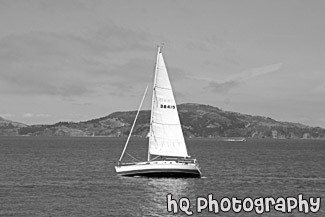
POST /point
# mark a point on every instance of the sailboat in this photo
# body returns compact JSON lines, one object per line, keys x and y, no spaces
{"x":167,"y":152}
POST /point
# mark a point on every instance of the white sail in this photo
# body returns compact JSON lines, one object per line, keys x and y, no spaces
{"x":166,"y":136}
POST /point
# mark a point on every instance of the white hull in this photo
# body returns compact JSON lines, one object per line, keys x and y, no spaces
{"x":236,"y":139}
{"x":159,"y":169}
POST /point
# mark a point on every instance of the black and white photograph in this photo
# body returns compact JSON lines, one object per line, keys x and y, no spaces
{"x":162,"y":108}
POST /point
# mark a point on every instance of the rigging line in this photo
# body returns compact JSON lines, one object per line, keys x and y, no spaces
{"x":132,"y":156}
{"x":135,"y":119}
{"x":156,"y":157}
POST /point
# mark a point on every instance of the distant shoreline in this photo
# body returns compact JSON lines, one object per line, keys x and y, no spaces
{"x":197,"y":120}
{"x":222,"y":139}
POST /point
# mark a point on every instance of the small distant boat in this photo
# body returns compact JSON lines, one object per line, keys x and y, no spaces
{"x":234,"y":139}
{"x":167,"y":152}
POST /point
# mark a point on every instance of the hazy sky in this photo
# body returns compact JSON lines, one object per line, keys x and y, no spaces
{"x":74,"y":60}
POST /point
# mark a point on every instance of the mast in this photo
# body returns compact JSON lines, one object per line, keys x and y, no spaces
{"x":153,"y":98}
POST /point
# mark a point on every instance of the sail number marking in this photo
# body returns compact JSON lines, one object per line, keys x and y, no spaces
{"x":167,"y":106}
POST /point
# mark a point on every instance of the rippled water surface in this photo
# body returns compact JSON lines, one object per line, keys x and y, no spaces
{"x":47,"y":176}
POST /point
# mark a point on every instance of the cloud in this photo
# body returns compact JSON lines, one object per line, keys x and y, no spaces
{"x":223,"y":50}
{"x":235,"y":80}
{"x":223,"y":87}
{"x":28,"y":115}
{"x":31,"y":115}
{"x":7,"y":115}
{"x":119,"y":39}
{"x":123,"y":78}
{"x":68,"y":65}
{"x":246,"y":75}
{"x":42,"y":63}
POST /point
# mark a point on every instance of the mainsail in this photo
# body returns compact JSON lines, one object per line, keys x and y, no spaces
{"x":166,"y":136}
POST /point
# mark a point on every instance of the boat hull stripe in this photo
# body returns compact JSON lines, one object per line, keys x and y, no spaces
{"x":161,"y":173}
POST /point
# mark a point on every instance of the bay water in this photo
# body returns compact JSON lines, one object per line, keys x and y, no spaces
{"x":75,"y":176}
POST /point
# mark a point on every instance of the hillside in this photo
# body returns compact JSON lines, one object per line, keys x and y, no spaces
{"x":197,"y":121}
{"x":9,"y":128}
